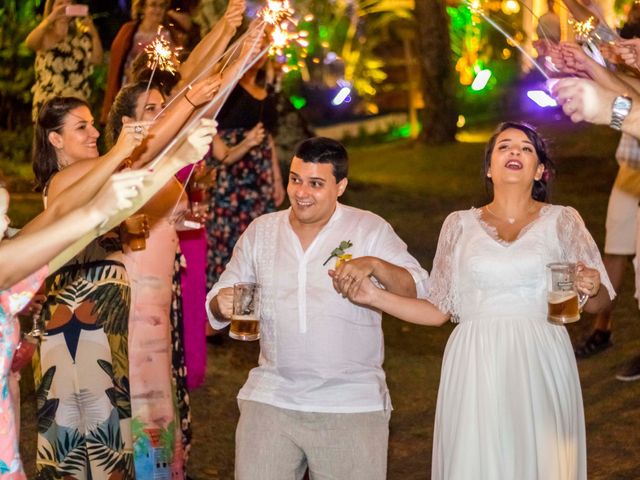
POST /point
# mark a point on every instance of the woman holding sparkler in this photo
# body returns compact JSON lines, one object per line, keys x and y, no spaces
{"x":23,"y":261}
{"x":159,"y":397}
{"x":509,"y":403}
{"x":146,"y":25}
{"x":67,"y":46}
{"x":81,"y":371}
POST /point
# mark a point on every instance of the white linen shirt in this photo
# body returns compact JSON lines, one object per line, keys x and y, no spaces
{"x":318,"y":351}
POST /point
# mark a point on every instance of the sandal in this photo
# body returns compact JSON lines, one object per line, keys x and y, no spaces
{"x":598,"y":341}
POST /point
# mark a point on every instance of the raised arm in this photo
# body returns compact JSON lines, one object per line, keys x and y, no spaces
{"x":190,"y":150}
{"x":32,"y":248}
{"x":77,"y":184}
{"x":49,"y":31}
{"x":214,"y":43}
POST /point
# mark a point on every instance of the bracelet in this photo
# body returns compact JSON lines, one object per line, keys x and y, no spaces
{"x":187,"y":99}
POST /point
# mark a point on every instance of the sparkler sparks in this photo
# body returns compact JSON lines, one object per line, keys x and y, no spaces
{"x":278,"y":14}
{"x":275,"y":11}
{"x":582,"y":30}
{"x":476,"y":7}
{"x":161,"y":56}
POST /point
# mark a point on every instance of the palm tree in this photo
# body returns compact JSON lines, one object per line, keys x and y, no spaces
{"x":439,"y":116}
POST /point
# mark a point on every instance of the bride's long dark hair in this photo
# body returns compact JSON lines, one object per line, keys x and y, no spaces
{"x":541,"y":190}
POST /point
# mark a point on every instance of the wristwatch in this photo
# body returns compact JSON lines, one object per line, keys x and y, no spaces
{"x":620,"y":110}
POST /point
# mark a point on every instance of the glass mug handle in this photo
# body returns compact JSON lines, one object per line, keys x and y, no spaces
{"x":582,"y":300}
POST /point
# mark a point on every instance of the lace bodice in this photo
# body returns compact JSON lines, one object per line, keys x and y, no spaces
{"x":476,"y":274}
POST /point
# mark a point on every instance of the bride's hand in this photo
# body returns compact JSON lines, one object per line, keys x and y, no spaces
{"x":587,"y":280}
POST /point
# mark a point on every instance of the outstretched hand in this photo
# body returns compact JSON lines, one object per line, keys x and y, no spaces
{"x":131,"y":136}
{"x":584,"y":100}
{"x":118,"y":192}
{"x":234,"y":13}
{"x":629,"y":52}
{"x":196,"y":145}
{"x":204,"y":90}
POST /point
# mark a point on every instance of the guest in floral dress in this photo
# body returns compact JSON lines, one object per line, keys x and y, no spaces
{"x":23,"y":268}
{"x":66,"y":49}
{"x":81,"y":371}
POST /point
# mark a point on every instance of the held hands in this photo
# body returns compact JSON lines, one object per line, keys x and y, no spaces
{"x":117,"y":193}
{"x":587,"y":280}
{"x":365,"y":294}
{"x":224,"y":299}
{"x":349,"y":277}
{"x":584,"y":100}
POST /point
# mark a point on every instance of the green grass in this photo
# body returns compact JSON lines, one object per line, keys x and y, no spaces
{"x":415,"y":187}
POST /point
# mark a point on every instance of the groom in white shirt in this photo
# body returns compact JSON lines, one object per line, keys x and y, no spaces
{"x":318,"y":398}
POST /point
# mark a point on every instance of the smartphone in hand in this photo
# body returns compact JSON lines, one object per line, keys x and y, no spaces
{"x":76,"y":10}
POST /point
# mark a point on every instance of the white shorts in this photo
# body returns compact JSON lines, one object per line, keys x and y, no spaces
{"x":621,"y":223}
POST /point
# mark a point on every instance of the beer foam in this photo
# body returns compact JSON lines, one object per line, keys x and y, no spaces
{"x":559,"y":297}
{"x":247,"y":318}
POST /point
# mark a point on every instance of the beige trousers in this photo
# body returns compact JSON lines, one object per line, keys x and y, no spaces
{"x":278,"y":444}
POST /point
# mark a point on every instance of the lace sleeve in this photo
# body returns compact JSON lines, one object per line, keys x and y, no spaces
{"x":442,"y":290}
{"x":578,"y":245}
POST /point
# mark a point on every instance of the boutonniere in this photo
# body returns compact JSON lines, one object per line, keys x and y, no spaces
{"x":339,"y":253}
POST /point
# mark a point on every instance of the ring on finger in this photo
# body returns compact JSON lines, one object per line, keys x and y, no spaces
{"x":137,"y":129}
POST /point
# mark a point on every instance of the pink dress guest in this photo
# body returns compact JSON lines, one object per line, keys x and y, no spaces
{"x":193,"y":244}
{"x":12,"y":301}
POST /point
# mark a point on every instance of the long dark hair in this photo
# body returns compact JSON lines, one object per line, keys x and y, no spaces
{"x":51,"y":118}
{"x":541,"y":190}
{"x":125,"y":105}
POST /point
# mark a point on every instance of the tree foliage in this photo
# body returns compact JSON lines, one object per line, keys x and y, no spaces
{"x":17,"y":19}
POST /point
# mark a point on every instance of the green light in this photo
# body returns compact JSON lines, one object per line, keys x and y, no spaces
{"x":297,"y":102}
{"x":323,"y":32}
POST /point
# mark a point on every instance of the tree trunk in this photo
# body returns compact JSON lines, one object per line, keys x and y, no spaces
{"x":440,"y":115}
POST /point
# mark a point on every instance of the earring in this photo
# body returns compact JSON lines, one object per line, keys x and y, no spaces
{"x":488,"y":174}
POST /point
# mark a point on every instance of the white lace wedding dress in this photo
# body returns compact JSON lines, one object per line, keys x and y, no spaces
{"x":509,"y":403}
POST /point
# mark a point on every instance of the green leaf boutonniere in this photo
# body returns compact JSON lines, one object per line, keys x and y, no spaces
{"x":340,"y":251}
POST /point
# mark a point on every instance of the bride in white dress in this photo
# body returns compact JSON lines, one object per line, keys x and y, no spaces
{"x":509,"y":403}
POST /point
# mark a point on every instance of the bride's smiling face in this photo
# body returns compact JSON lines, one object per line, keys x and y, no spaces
{"x":514,"y":159}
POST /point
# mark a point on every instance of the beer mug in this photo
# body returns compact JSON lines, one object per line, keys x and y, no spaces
{"x":136,"y":229}
{"x":563,"y":300}
{"x":245,"y":319}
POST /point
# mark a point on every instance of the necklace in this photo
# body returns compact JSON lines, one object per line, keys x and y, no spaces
{"x":511,"y":220}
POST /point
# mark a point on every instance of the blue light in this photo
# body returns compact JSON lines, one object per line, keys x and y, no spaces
{"x":341,"y":96}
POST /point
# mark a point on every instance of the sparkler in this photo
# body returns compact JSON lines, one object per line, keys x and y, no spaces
{"x":160,"y":56}
{"x":474,"y":5}
{"x":582,"y":30}
{"x":275,"y":12}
